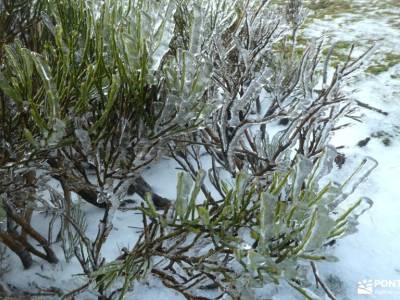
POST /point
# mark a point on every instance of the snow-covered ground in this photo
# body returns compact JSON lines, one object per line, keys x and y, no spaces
{"x":373,"y":252}
{"x":370,"y":254}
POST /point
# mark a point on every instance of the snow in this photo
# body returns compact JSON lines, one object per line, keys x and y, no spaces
{"x":369,"y":254}
{"x":372,"y":252}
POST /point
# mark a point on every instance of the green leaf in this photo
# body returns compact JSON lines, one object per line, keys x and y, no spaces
{"x":45,"y":74}
{"x":38,"y":119}
{"x":29,"y":137}
{"x":3,"y":213}
{"x":9,"y":90}
{"x":196,"y":190}
{"x":184,"y":187}
{"x":112,"y":97}
{"x":151,"y":208}
{"x":204,"y":215}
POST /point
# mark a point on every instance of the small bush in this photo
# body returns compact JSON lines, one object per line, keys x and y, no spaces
{"x":93,"y":92}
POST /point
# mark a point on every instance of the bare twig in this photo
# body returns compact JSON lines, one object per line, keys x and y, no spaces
{"x":367,"y":106}
{"x":319,"y":281}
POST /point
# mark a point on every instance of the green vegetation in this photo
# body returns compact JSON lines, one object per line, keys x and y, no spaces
{"x":91,"y":93}
{"x":330,"y":8}
{"x":383,"y":64}
{"x":253,"y":236}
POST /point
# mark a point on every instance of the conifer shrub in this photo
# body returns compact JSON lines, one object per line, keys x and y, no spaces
{"x":92,"y":92}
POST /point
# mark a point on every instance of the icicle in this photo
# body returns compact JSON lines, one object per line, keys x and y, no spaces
{"x":184,"y":186}
{"x":303,"y":169}
{"x":163,"y":33}
{"x":325,"y":164}
{"x":348,"y":188}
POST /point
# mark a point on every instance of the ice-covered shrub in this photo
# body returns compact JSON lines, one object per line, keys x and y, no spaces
{"x":256,"y":234}
{"x":92,"y":92}
{"x":276,"y":101}
{"x":271,"y":132}
{"x":102,"y":96}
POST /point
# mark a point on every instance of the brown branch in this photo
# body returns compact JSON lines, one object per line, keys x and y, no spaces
{"x":320,"y":282}
{"x":51,"y":257}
